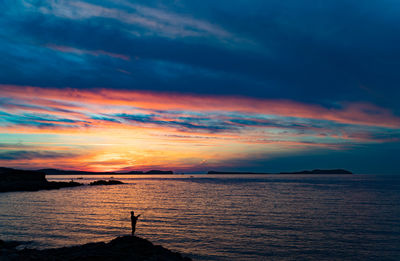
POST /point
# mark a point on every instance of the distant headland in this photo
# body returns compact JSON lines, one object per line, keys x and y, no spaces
{"x":315,"y":171}
{"x":235,"y":172}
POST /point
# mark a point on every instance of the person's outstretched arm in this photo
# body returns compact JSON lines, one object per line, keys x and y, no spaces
{"x":138,"y":216}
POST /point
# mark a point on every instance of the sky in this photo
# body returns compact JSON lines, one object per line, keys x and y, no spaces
{"x":192,"y":86}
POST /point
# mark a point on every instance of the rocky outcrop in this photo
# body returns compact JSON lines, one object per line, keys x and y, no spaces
{"x":16,"y":175}
{"x":121,"y":248}
{"x":105,"y":182}
{"x":28,"y":180}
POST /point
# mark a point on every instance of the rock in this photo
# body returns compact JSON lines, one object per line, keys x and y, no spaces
{"x":105,"y":182}
{"x":9,"y":244}
{"x":120,"y":248}
{"x":16,"y":175}
{"x":28,"y":180}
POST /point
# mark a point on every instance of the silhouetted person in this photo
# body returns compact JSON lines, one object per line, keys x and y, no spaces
{"x":134,"y":220}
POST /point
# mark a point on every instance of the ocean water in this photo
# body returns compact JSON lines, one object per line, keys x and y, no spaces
{"x":219,"y":217}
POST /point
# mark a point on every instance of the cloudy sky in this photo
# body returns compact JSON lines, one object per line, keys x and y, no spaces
{"x":200,"y":85}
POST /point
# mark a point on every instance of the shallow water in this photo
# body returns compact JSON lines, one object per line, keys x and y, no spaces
{"x":219,"y":217}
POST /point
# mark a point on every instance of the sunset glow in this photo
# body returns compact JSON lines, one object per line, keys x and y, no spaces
{"x":110,"y":130}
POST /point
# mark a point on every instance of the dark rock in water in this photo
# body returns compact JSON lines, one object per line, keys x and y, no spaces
{"x":28,"y":180}
{"x":58,"y":185}
{"x":159,"y":172}
{"x":105,"y":182}
{"x":8,"y":244}
{"x":121,"y":248}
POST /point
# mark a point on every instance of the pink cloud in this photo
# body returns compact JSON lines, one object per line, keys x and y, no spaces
{"x":67,"y":49}
{"x":350,"y":113}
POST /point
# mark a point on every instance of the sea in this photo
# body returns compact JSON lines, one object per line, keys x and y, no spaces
{"x":218,"y":217}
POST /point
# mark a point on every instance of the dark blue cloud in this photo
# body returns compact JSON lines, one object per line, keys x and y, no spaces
{"x":181,"y":123}
{"x":321,"y":52}
{"x":41,"y":121}
{"x":29,"y":155}
{"x":104,"y":118}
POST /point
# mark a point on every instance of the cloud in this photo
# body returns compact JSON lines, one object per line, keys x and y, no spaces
{"x":30,"y":155}
{"x":103,"y":118}
{"x":196,"y":119}
{"x":40,"y":120}
{"x":189,"y":124}
{"x":150,"y":19}
{"x":347,"y":113}
{"x":274,"y":49}
{"x":206,"y":76}
{"x":67,"y":49}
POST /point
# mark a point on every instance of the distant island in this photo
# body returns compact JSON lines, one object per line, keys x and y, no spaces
{"x":234,"y":172}
{"x":163,"y":172}
{"x":79,"y":172}
{"x":315,"y":171}
{"x":320,"y":171}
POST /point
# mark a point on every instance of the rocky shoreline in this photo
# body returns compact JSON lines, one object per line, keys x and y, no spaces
{"x":120,"y":248}
{"x":28,"y":180}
